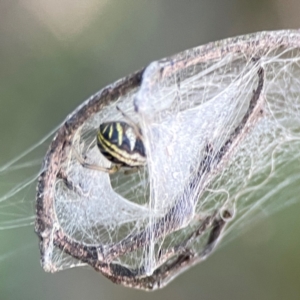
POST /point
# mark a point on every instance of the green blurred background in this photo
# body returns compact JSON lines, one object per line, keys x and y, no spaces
{"x":53,"y":55}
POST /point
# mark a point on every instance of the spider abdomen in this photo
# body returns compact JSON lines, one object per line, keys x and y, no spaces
{"x":119,"y":143}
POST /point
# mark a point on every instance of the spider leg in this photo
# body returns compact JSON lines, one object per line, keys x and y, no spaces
{"x":111,"y":170}
{"x":135,"y":127}
{"x":132,"y":170}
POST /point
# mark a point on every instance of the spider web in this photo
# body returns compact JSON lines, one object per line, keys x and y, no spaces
{"x":188,"y":107}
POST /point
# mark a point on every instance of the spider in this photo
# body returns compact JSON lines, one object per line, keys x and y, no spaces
{"x":118,"y":141}
{"x":121,"y":143}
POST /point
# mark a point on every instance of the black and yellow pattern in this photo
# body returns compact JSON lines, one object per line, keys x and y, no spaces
{"x":119,"y":143}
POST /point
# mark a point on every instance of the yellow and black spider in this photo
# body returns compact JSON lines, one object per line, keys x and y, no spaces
{"x":121,"y":143}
